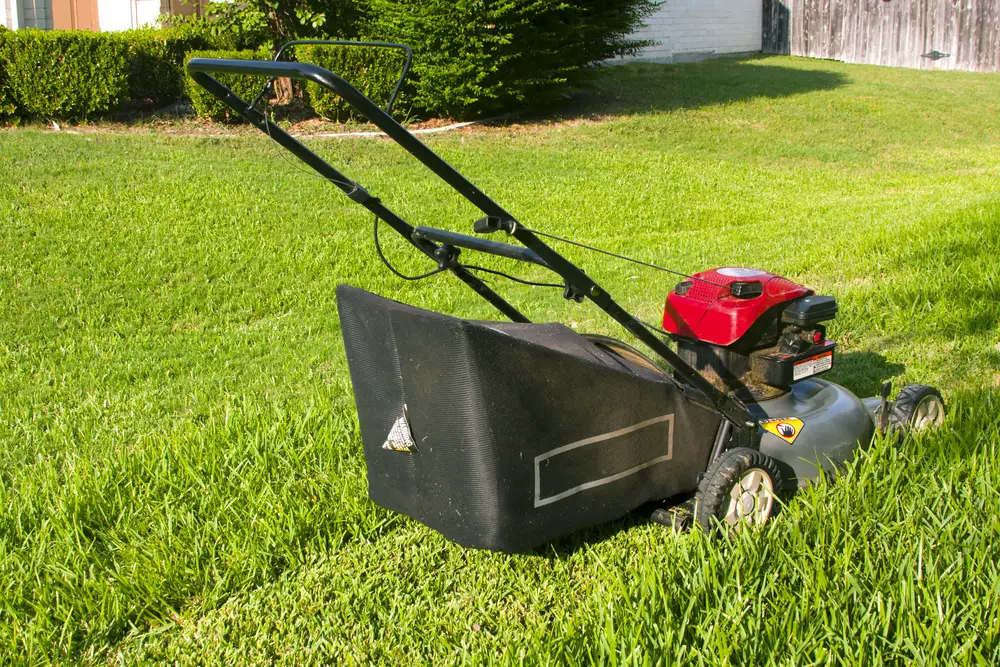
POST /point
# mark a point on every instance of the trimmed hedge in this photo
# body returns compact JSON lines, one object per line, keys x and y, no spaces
{"x":156,"y":63}
{"x":65,"y":74}
{"x":245,"y":85}
{"x":80,"y":74}
{"x":372,"y":71}
{"x":7,"y":105}
{"x":471,"y":57}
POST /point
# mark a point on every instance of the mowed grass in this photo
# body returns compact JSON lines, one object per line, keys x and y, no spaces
{"x":181,"y":475}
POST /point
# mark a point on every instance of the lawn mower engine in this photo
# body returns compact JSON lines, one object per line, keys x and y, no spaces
{"x":750,"y":332}
{"x":762,"y":338}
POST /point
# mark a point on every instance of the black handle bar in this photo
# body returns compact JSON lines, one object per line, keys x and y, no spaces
{"x":200,"y":68}
{"x":582,"y":284}
{"x":340,"y":42}
{"x":482,"y":245}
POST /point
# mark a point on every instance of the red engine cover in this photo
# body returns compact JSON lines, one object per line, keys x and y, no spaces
{"x":709,"y":313}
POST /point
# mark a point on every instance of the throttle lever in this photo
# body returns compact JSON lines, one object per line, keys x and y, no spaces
{"x":492,"y":223}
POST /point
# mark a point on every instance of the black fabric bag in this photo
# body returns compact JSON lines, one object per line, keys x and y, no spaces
{"x":504,"y":436}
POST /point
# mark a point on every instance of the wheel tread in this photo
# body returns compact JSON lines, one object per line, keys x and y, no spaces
{"x":904,"y":408}
{"x":723,"y":473}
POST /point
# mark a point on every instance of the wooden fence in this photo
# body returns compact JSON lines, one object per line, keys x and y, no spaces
{"x":925,"y":34}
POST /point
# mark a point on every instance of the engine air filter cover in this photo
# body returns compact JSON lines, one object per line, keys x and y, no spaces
{"x":810,"y":311}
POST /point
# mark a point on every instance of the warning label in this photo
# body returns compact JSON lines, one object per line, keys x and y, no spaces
{"x":787,"y":428}
{"x":812,"y":365}
{"x":400,"y":439}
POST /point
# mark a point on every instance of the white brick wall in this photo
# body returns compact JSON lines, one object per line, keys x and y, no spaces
{"x":695,"y":29}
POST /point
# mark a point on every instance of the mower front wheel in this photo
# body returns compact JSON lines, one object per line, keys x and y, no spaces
{"x":740,"y":489}
{"x":918,"y":406}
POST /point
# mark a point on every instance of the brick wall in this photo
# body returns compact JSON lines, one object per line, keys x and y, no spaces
{"x":695,"y":29}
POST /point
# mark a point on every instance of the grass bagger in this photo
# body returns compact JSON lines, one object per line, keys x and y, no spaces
{"x":506,"y":435}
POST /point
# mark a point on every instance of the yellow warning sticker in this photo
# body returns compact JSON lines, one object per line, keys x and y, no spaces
{"x":787,"y":428}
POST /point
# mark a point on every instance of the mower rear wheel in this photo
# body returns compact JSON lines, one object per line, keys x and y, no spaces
{"x":918,"y":406}
{"x":741,"y":488}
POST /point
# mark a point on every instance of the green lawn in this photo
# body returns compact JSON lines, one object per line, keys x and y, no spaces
{"x":181,"y":476}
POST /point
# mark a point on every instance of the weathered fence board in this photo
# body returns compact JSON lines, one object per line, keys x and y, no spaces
{"x":925,"y":34}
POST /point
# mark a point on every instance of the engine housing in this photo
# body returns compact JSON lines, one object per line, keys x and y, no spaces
{"x":750,"y":332}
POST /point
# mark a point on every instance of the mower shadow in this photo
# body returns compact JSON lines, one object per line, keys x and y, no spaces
{"x":569,"y":544}
{"x":863,"y":373}
{"x":641,"y":88}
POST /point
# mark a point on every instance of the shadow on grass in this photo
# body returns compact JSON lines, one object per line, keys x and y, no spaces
{"x":566,"y":545}
{"x":863,"y":372}
{"x":640,"y":516}
{"x":638,"y":88}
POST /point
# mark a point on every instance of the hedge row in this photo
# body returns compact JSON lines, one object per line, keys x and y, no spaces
{"x":80,"y":74}
{"x":63,"y":74}
{"x":156,"y":65}
{"x":7,"y":105}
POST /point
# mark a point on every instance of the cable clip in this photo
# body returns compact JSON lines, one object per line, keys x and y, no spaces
{"x":447,"y":256}
{"x":360,"y":195}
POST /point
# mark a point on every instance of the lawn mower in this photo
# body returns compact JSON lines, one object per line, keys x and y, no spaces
{"x":507,"y":435}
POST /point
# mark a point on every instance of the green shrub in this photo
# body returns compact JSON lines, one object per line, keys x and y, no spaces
{"x":79,"y":74}
{"x":475,"y":57}
{"x":284,"y":20}
{"x":7,"y":106}
{"x":229,"y":26}
{"x":246,"y":86}
{"x":372,"y":71}
{"x":156,"y":62}
{"x":65,"y":74}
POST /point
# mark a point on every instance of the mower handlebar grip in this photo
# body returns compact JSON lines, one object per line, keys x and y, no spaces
{"x":282,"y":69}
{"x":476,"y":243}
